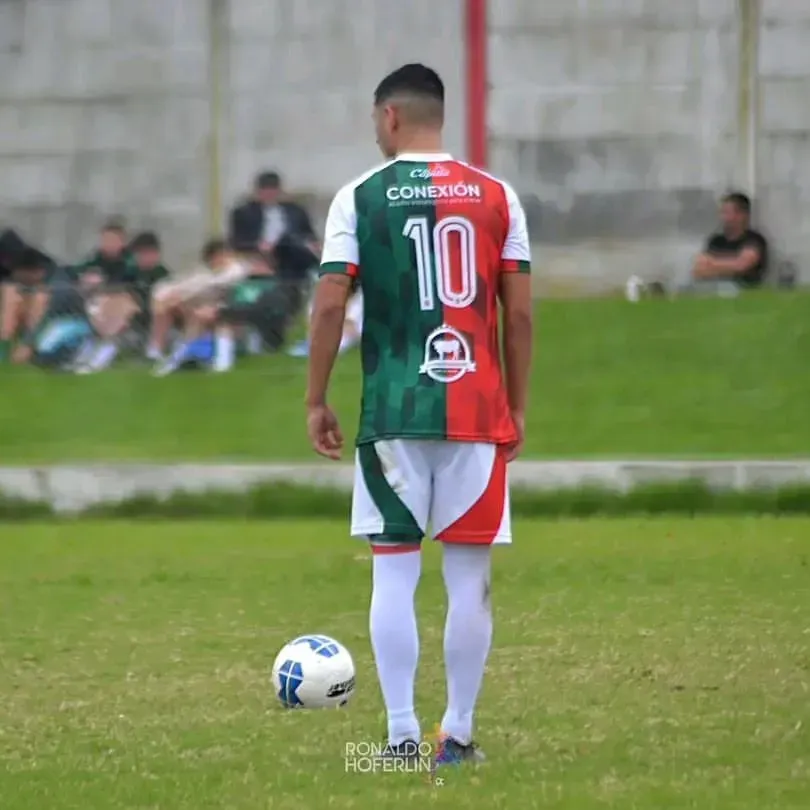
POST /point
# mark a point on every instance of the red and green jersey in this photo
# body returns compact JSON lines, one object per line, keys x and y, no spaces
{"x":427,"y":238}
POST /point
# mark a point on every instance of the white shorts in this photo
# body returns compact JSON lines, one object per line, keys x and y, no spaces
{"x":458,"y":489}
{"x":354,"y":311}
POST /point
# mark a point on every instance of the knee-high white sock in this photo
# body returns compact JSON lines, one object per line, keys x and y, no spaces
{"x":395,"y":640}
{"x":104,"y":355}
{"x":467,"y":635}
{"x":224,"y":351}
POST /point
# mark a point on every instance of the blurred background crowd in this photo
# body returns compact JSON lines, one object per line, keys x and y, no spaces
{"x":621,"y":125}
{"x":245,"y":294}
{"x":247,"y":291}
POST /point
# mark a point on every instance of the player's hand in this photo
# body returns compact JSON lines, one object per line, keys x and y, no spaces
{"x":513,"y":450}
{"x":324,"y":432}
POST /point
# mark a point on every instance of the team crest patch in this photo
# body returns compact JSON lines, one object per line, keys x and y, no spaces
{"x":448,"y":356}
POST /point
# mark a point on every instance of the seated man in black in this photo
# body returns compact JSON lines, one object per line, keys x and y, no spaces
{"x":737,"y":256}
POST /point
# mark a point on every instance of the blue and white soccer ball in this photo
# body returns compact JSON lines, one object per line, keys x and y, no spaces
{"x":313,"y":672}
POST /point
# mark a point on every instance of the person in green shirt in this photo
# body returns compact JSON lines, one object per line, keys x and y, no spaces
{"x":101,"y":281}
{"x":257,"y":303}
{"x":147,"y":270}
{"x":126,"y":306}
{"x":109,"y":263}
{"x":261,"y":304}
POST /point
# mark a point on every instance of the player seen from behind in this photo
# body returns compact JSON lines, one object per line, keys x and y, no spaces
{"x":434,"y":244}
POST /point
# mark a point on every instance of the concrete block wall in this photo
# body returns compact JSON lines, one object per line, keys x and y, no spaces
{"x":105,"y":105}
{"x":784,"y":128}
{"x":618,"y":120}
{"x":302,"y":75}
{"x":103,"y":110}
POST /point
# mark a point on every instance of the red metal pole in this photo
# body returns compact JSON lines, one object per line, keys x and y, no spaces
{"x":475,"y":45}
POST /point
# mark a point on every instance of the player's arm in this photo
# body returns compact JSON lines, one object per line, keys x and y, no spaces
{"x":339,"y":267}
{"x":515,"y":295}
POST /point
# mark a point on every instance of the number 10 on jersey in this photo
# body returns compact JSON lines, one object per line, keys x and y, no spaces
{"x":434,"y":259}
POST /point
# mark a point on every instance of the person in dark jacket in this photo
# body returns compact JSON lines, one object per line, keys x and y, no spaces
{"x":280,"y":230}
{"x":260,"y":223}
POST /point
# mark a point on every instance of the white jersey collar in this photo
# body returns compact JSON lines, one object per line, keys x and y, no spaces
{"x":424,"y":157}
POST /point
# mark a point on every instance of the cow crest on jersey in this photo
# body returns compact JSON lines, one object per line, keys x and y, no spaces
{"x":448,"y":356}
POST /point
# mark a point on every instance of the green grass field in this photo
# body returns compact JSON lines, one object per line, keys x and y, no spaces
{"x":685,"y":378}
{"x":637,"y":664}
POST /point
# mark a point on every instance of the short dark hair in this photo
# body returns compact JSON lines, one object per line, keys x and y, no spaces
{"x":114,"y":225}
{"x":268,"y":180}
{"x":212,"y":247}
{"x":413,"y":80}
{"x":30,"y":259}
{"x":146,"y":240}
{"x":742,"y":202}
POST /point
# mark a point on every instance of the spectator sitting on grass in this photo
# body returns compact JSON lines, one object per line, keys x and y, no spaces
{"x":24,"y":301}
{"x":352,"y":328}
{"x":281,"y":230}
{"x":255,"y":305}
{"x":175,"y":301}
{"x":149,"y":271}
{"x":737,"y":256}
{"x":104,"y":284}
{"x":109,"y":262}
{"x":144,"y":269}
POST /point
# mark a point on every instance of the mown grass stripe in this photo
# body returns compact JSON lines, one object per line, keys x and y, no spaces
{"x":286,"y":501}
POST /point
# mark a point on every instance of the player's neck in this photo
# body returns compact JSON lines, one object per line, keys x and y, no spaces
{"x":423,"y":143}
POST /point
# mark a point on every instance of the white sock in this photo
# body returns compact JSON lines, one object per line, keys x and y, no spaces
{"x":347,"y":342}
{"x":104,"y":355}
{"x":153,"y":353}
{"x":225,"y":352}
{"x":467,"y":635}
{"x":254,"y":342}
{"x":395,"y":640}
{"x":178,"y":356}
{"x":86,"y":352}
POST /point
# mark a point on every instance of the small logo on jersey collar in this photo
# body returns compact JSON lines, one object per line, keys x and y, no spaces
{"x":448,"y":356}
{"x":427,"y":173}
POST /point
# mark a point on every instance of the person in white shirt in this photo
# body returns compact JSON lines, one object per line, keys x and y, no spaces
{"x":170,"y":300}
{"x":173,"y":301}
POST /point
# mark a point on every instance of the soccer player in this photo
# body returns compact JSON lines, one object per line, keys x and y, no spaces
{"x":434,"y":244}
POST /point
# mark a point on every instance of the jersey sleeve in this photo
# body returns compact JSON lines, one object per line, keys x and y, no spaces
{"x":516,"y":256}
{"x":341,"y":251}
